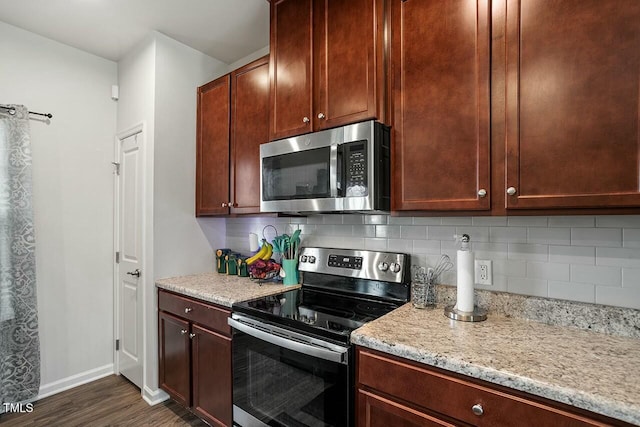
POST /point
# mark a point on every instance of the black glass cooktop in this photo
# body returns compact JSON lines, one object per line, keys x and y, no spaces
{"x":313,"y":311}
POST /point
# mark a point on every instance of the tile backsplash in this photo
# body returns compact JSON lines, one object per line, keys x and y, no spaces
{"x":593,"y":259}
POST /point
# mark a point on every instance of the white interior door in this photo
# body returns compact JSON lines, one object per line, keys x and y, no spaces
{"x":129,"y":355}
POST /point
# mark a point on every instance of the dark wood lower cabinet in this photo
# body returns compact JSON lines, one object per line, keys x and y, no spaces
{"x":211,"y":361}
{"x":195,"y":356}
{"x":377,"y":411}
{"x":392,"y":391}
{"x":175,"y":374}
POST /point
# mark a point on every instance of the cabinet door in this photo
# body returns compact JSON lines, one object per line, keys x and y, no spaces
{"x":348,"y":62}
{"x":212,"y":376}
{"x":212,"y":156}
{"x":377,"y":411}
{"x":249,"y":129}
{"x":572,"y":105}
{"x":440,"y":51}
{"x":174,"y":357}
{"x":291,"y":44}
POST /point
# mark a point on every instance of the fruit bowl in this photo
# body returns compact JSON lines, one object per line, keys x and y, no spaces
{"x":264,"y":270}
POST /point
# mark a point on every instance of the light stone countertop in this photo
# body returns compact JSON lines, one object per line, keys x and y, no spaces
{"x":586,"y":369}
{"x":221,"y":289}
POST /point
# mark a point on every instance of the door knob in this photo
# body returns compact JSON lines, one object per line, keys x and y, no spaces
{"x":135,"y":272}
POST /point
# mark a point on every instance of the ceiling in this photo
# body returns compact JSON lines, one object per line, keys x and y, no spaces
{"x":224,"y":29}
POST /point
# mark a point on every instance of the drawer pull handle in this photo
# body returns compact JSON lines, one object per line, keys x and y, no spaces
{"x":477,"y":409}
{"x":188,"y":310}
{"x":183,"y":331}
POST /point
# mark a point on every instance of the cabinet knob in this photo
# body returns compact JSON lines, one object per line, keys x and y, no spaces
{"x":305,"y":119}
{"x":321,"y":116}
{"x":224,"y":205}
{"x":188,"y":310}
{"x":183,"y":331}
{"x":511,"y":191}
{"x":193,"y":335}
{"x":477,"y":409}
{"x":482,"y":192}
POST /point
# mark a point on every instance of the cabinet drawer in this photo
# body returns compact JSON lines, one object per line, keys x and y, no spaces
{"x":456,"y":397}
{"x":207,"y":315}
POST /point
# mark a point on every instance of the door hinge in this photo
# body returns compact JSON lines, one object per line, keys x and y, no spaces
{"x":117,"y":345}
{"x":118,"y":257}
{"x":117,"y":168}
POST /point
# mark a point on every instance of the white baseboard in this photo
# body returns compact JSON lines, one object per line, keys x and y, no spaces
{"x":75,"y":380}
{"x":153,"y":397}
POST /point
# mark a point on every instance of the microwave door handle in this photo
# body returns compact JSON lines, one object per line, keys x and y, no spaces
{"x":334,"y":172}
{"x":338,"y":184}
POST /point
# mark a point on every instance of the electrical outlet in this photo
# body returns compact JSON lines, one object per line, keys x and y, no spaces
{"x":483,"y":272}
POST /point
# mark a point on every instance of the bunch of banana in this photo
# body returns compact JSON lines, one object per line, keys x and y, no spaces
{"x":264,"y":253}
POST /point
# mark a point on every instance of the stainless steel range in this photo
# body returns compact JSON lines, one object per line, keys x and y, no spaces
{"x":292,"y":359}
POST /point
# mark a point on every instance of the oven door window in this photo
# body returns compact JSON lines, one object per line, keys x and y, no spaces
{"x":298,"y":175}
{"x":281,"y":387}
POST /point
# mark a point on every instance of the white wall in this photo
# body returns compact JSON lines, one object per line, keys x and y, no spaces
{"x":72,"y":185}
{"x":158,"y":82}
{"x":251,"y":57}
{"x":180,"y":246}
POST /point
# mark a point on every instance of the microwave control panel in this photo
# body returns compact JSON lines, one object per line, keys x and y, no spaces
{"x":355,"y":154}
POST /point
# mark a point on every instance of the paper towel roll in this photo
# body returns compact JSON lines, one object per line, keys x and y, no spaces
{"x":253,"y":242}
{"x":465,"y":281}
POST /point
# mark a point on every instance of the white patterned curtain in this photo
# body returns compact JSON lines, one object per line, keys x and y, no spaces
{"x":19,"y":342}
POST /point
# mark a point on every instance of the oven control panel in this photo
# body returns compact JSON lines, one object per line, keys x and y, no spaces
{"x":362,"y":264}
{"x":343,"y":261}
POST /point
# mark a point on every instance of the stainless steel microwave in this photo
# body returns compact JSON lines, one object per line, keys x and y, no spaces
{"x":345,"y":169}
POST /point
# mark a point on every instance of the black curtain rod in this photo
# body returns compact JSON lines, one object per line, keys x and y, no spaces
{"x":12,"y":111}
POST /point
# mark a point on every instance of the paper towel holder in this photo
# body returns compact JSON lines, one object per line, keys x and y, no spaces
{"x":451,"y":311}
{"x":477,"y":315}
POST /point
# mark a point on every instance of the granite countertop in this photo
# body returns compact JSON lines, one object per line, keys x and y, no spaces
{"x":221,"y":289}
{"x":586,"y":369}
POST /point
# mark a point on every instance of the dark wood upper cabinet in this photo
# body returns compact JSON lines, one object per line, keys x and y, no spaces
{"x":572,"y":104}
{"x":233,"y":120}
{"x":249,"y":129}
{"x":441,"y":83}
{"x":291,"y":44}
{"x":327,"y":64}
{"x":212,"y":153}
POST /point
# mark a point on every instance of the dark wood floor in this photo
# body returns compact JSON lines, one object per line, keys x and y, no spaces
{"x":110,"y":401}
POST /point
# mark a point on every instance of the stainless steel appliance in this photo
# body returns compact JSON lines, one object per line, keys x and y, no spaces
{"x":335,"y":170}
{"x":292,"y":358}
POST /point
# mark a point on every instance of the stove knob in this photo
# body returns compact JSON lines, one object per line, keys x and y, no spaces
{"x":312,"y":259}
{"x":395,"y":267}
{"x":383,"y":266}
{"x":303,"y":258}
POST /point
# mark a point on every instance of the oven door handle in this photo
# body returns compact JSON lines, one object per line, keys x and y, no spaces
{"x":297,"y":346}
